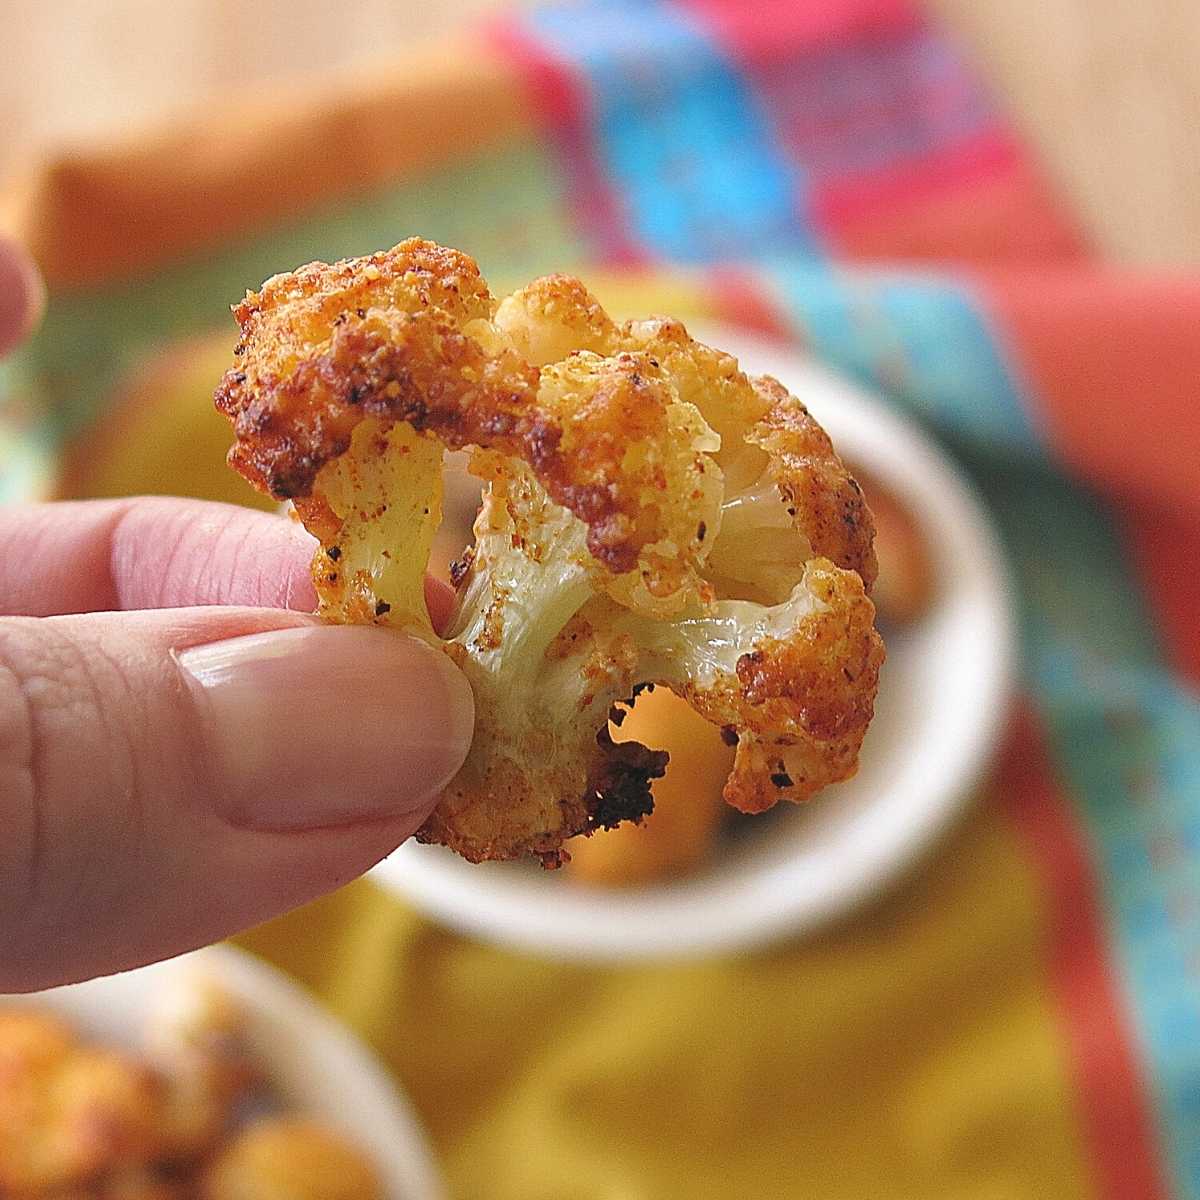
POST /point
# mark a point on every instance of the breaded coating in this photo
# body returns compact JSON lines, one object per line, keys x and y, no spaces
{"x":651,"y":515}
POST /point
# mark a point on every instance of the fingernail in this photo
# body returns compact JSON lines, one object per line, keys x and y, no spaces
{"x":325,"y":725}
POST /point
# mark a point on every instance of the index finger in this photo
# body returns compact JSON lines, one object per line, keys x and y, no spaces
{"x":78,"y":556}
{"x":149,"y":552}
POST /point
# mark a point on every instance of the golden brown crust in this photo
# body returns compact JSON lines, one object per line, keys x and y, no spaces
{"x":799,"y":705}
{"x":667,"y":453}
{"x":823,"y":497}
{"x":820,"y":681}
{"x":416,"y":368}
{"x":383,"y":336}
{"x":314,"y":351}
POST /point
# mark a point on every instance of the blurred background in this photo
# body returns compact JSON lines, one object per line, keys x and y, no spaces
{"x":979,"y":220}
{"x":1105,"y":90}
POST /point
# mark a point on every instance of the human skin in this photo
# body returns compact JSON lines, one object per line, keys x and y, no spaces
{"x":184,"y":749}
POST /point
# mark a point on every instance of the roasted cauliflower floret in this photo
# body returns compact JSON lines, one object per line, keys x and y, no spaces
{"x":651,"y":515}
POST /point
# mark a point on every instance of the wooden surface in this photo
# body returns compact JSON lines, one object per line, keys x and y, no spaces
{"x":1109,"y":90}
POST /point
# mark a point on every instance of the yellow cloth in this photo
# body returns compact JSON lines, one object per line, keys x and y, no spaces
{"x":907,"y":1053}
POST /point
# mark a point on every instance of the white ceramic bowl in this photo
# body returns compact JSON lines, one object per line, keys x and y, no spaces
{"x":941,"y":704}
{"x":317,"y":1066}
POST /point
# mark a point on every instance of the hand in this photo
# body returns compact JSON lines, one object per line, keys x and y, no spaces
{"x":171,"y":773}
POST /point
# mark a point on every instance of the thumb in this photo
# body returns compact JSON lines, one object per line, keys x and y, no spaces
{"x":169,"y":777}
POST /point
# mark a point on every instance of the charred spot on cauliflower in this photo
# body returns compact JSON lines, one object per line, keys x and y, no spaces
{"x":651,"y":515}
